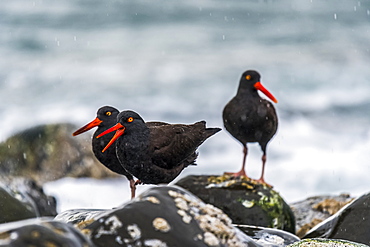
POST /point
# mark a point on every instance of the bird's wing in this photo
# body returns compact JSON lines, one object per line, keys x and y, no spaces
{"x":172,"y":144}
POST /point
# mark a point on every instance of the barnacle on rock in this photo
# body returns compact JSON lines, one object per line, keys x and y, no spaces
{"x":161,"y":224}
{"x":185,"y":217}
{"x":210,"y":239}
{"x":152,"y":199}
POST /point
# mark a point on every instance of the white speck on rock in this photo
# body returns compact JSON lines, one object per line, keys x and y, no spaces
{"x":134,"y":232}
{"x":247,"y":203}
{"x":154,"y":243}
{"x":119,"y":240}
{"x":112,"y":222}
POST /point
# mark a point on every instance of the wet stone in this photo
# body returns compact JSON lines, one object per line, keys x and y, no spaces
{"x":268,"y":236}
{"x":314,"y":210}
{"x":164,"y":216}
{"x":49,"y":152}
{"x":41,"y":232}
{"x":23,"y":199}
{"x":244,"y":201}
{"x":351,"y":223}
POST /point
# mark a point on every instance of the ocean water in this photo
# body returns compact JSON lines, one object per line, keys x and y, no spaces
{"x":181,"y":62}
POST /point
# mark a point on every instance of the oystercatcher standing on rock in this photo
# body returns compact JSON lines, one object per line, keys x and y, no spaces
{"x":250,"y":118}
{"x":156,"y":154}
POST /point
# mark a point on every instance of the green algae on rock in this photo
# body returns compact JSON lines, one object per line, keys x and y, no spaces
{"x":320,"y":242}
{"x":243,"y":200}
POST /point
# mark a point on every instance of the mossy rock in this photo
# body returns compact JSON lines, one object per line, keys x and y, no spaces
{"x":49,"y":152}
{"x":243,"y":200}
{"x":320,"y":242}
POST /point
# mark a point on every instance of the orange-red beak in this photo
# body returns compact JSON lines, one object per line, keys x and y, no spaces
{"x":119,"y":128}
{"x":259,"y":86}
{"x":88,"y":126}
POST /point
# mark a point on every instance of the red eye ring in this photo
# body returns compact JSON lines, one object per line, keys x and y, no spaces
{"x":248,"y":77}
{"x":108,"y":113}
{"x":130,"y":119}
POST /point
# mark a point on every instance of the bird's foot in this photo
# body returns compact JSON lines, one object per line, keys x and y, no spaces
{"x":138,"y":182}
{"x":240,"y":173}
{"x":263,"y":182}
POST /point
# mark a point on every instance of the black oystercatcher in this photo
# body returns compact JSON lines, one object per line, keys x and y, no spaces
{"x":250,"y":118}
{"x":156,"y":154}
{"x":106,"y":118}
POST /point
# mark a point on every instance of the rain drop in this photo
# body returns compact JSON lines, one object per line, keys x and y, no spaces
{"x":335,"y":16}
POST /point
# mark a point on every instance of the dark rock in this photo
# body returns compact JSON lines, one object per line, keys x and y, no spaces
{"x":41,"y":232}
{"x":12,"y":208}
{"x":24,"y":199}
{"x":269,"y":236}
{"x":161,"y":216}
{"x":49,"y":152}
{"x":351,"y":223}
{"x":325,"y":243}
{"x":314,"y":210}
{"x":244,"y":201}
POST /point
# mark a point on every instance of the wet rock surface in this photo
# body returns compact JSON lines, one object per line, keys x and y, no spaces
{"x":42,"y":232}
{"x":244,"y":201}
{"x":49,"y":152}
{"x":351,"y":223}
{"x":314,"y":210}
{"x":269,"y":236}
{"x":24,"y":199}
{"x":165,"y":216}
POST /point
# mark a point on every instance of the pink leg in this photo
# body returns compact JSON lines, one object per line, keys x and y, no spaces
{"x":133,"y":188}
{"x":262,"y":179}
{"x":242,"y":170}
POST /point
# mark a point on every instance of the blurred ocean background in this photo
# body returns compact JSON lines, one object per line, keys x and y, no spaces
{"x":180,"y":62}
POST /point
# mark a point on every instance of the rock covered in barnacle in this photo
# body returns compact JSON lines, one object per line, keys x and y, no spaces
{"x":161,"y":216}
{"x":243,"y":200}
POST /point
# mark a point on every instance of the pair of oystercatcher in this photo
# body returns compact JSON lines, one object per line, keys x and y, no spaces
{"x":153,"y":152}
{"x":157,"y":152}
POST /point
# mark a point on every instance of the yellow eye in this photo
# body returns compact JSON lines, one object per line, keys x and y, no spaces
{"x":130,"y":119}
{"x":108,"y":113}
{"x":248,"y":77}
